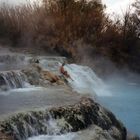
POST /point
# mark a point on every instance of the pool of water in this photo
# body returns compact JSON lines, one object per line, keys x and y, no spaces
{"x":28,"y":99}
{"x":124,"y":102}
{"x":120,"y":93}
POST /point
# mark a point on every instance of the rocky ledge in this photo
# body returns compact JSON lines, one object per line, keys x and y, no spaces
{"x":70,"y":118}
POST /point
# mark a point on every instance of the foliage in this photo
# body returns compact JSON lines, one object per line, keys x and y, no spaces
{"x":70,"y":27}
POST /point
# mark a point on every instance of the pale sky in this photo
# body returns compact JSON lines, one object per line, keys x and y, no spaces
{"x":116,"y":6}
{"x":15,"y":1}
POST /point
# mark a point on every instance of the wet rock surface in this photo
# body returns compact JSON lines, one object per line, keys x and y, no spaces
{"x":70,"y":118}
{"x":37,"y":71}
{"x":69,"y":111}
{"x":38,"y":76}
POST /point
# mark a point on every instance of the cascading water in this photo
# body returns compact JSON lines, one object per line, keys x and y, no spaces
{"x":58,"y":137}
{"x":84,"y":80}
{"x":24,"y":126}
{"x":12,"y":62}
{"x":12,"y":79}
{"x":112,"y":93}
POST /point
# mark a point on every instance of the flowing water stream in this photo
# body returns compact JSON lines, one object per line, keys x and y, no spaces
{"x":119,"y":95}
{"x":60,"y":137}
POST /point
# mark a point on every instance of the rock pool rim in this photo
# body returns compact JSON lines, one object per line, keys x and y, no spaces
{"x":76,"y":117}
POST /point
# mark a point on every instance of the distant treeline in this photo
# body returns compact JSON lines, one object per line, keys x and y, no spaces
{"x":70,"y":27}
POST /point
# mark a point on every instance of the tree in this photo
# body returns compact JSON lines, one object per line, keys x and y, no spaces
{"x":76,"y":20}
{"x":136,"y":15}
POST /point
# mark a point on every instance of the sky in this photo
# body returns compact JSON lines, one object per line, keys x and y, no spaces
{"x":15,"y":1}
{"x":116,"y":6}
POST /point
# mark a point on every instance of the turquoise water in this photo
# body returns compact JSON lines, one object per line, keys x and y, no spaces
{"x":118,"y":93}
{"x":124,"y":102}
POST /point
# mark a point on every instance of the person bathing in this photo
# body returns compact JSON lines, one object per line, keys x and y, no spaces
{"x":64,"y":72}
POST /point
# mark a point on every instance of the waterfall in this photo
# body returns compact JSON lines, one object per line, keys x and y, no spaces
{"x":12,"y":79}
{"x":59,"y":122}
{"x":24,"y":126}
{"x":69,"y":136}
{"x":84,"y":80}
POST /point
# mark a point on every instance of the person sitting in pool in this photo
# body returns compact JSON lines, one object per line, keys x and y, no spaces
{"x":64,"y":72}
